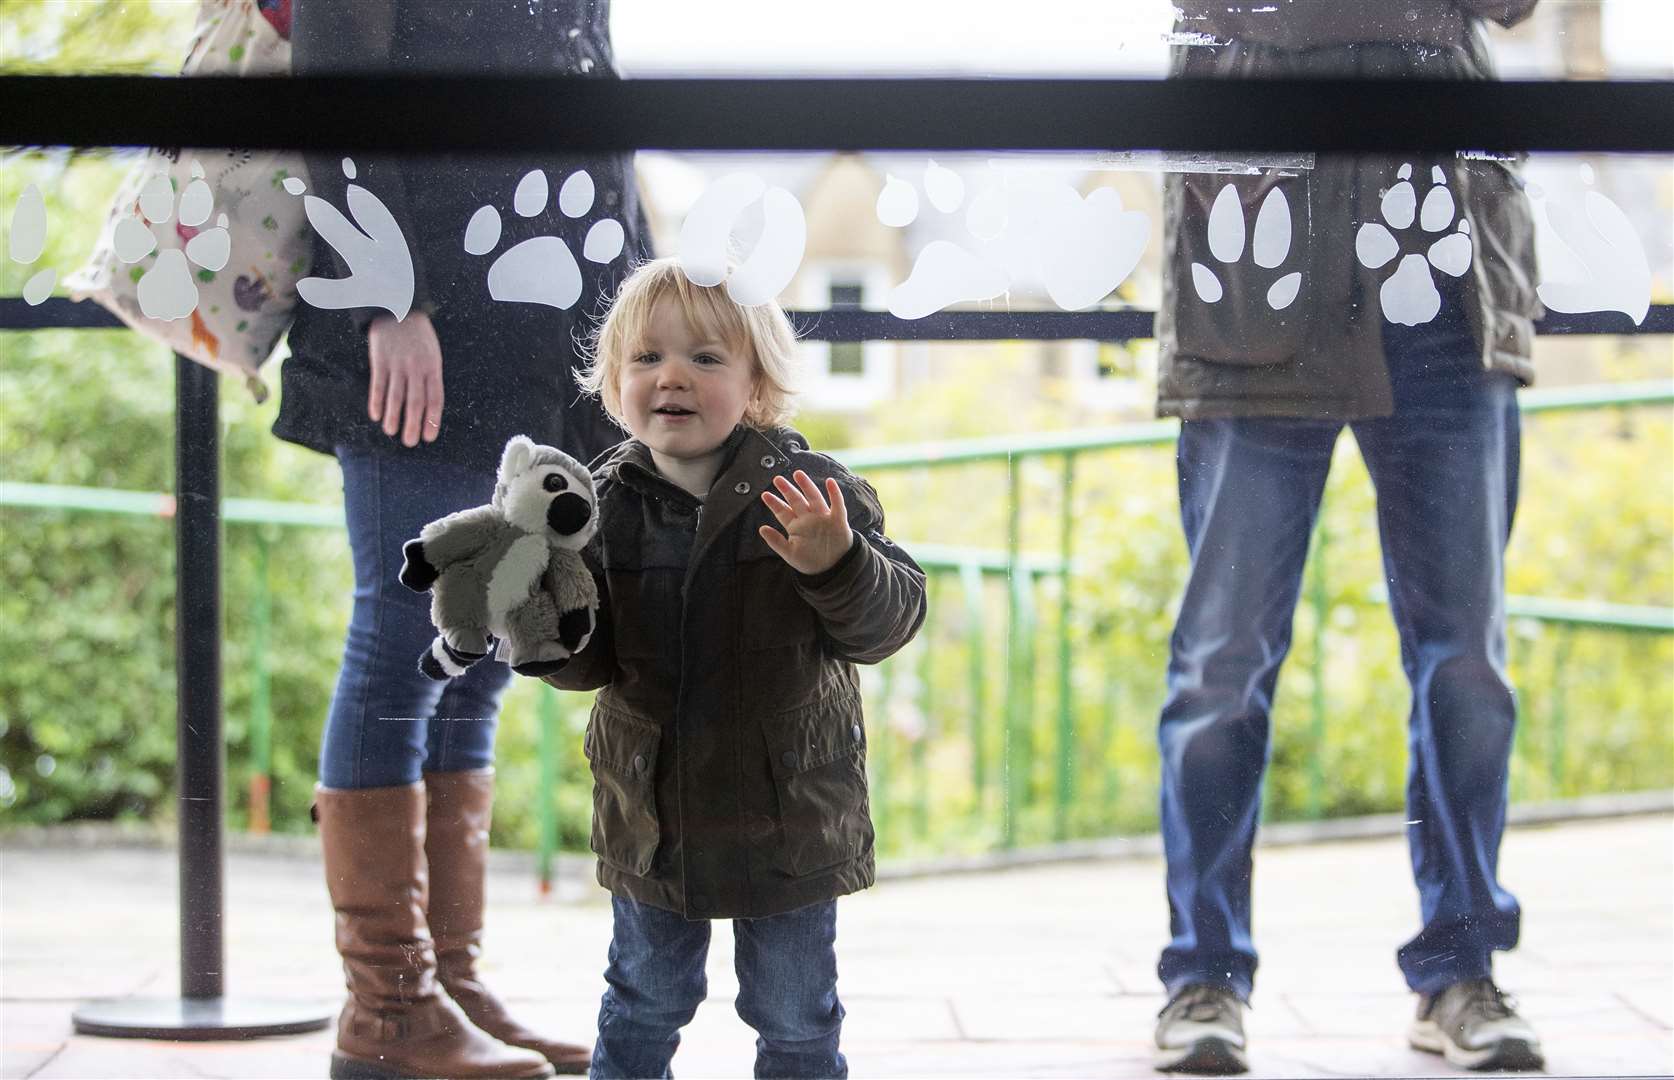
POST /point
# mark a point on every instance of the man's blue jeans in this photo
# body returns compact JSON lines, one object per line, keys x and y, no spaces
{"x":389,"y":724}
{"x":787,"y":990}
{"x":1445,"y":466}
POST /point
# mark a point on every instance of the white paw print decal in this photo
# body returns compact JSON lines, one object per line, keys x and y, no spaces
{"x":707,"y":237}
{"x":1607,"y":269}
{"x":1031,"y":228}
{"x":1269,"y":248}
{"x":28,"y":240}
{"x":167,"y":291}
{"x":542,"y":269}
{"x":380,"y":266}
{"x":1409,"y":295}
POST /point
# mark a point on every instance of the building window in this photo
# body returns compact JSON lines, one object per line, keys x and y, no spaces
{"x":847,"y":357}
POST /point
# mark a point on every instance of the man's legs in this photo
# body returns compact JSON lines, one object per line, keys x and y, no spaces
{"x":1249,"y":492}
{"x":1446,"y":470}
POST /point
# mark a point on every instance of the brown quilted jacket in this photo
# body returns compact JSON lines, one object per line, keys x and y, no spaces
{"x":727,"y":744}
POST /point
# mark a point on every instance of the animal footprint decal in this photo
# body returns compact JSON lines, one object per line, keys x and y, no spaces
{"x":1078,"y":249}
{"x":542,"y":269}
{"x":28,"y":240}
{"x":1409,"y":295}
{"x":167,"y":290}
{"x":944,"y":273}
{"x":1614,"y":274}
{"x":706,"y":236}
{"x":1269,"y":249}
{"x":380,"y":266}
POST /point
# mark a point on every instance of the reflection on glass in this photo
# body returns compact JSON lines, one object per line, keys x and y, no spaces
{"x":706,"y":247}
{"x":897,"y":203}
{"x":1594,"y":260}
{"x":1023,"y":228}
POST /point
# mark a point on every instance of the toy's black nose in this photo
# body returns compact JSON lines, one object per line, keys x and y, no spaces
{"x":568,"y":514}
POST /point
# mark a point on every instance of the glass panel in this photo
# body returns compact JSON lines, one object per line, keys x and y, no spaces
{"x":1576,"y":39}
{"x":989,"y":339}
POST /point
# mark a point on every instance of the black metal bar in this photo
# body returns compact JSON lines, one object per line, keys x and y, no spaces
{"x":417,"y":114}
{"x":199,"y":781}
{"x":54,"y":313}
{"x":854,"y":325}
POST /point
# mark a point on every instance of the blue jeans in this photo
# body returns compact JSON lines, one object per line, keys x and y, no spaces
{"x":1445,"y":466}
{"x":787,"y":990}
{"x":389,"y":724}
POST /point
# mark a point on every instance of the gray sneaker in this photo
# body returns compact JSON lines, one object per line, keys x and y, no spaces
{"x":1475,"y":1026}
{"x":1201,"y":1031}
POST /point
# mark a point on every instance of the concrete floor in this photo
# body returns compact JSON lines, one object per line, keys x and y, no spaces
{"x":1043,"y":971}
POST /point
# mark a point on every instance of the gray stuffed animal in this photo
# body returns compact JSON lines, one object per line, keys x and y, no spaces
{"x":511,"y":571}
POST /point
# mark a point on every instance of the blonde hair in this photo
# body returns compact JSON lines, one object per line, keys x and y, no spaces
{"x":763,"y":330}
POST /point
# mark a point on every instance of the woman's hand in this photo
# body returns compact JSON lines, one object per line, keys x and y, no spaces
{"x":816,"y":534}
{"x":406,"y":391}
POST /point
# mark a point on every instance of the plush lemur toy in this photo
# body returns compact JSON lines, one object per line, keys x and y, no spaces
{"x":511,"y":570}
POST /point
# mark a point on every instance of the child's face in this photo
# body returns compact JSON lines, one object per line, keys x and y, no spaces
{"x":682,"y":394}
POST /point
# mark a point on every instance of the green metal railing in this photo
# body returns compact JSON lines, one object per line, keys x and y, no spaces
{"x":959,"y":570}
{"x":1022,"y":572}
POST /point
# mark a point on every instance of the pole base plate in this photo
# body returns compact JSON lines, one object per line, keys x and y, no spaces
{"x":200,"y":1019}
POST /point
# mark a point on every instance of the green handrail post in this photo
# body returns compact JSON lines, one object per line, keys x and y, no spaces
{"x":1322,"y":612}
{"x":550,"y":719}
{"x":261,"y":702}
{"x":1023,"y":769}
{"x":1523,"y":708}
{"x":970,"y":581}
{"x":1557,"y":747}
{"x":1014,"y":783}
{"x":1066,"y":705}
{"x":882,"y":749}
{"x":926,"y":704}
{"x":1107,"y":738}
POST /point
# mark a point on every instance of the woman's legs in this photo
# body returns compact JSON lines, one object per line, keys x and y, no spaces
{"x":388,"y":723}
{"x":383,"y":839}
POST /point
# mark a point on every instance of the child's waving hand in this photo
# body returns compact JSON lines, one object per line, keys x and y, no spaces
{"x":817,"y":534}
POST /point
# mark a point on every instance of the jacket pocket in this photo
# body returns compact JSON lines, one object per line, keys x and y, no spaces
{"x":622,"y":752}
{"x":1239,"y":266}
{"x":818,"y":757}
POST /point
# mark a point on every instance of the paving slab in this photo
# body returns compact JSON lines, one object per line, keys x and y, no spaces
{"x":1043,"y":971}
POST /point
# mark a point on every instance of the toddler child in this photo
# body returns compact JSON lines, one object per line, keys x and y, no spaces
{"x":741,"y":578}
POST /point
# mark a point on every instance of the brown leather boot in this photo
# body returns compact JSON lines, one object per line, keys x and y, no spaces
{"x":397,"y":1023}
{"x":461,"y":805}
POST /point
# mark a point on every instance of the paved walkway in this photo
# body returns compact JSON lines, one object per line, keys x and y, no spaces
{"x":1037,"y":972}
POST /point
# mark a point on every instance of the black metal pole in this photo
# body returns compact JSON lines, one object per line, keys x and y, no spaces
{"x":199,"y":783}
{"x":202,"y":1011}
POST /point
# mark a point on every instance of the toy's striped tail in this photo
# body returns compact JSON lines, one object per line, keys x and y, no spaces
{"x":442,"y":661}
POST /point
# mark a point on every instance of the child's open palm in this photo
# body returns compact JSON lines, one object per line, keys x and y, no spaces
{"x":816,"y":533}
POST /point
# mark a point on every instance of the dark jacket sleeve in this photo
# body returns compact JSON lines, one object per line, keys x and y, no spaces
{"x":595,"y":665}
{"x":872,"y":602}
{"x":331,"y":37}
